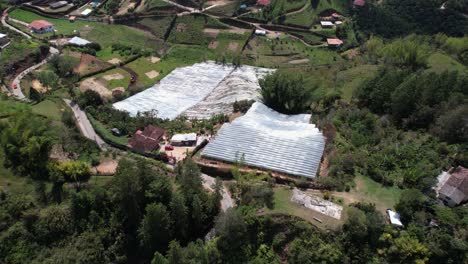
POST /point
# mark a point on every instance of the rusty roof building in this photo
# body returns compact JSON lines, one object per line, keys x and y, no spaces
{"x":453,"y":186}
{"x":146,"y":140}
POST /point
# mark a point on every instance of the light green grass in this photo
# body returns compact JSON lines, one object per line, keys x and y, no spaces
{"x":142,"y":66}
{"x":349,"y":80}
{"x":99,"y":180}
{"x":102,"y":33}
{"x":111,"y":84}
{"x":11,"y":183}
{"x":439,"y":62}
{"x":107,"y":54}
{"x":374,"y":192}
{"x":310,"y":14}
{"x":157,"y":25}
{"x":49,"y":108}
{"x":284,"y":205}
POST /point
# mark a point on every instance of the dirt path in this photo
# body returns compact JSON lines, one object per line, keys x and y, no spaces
{"x":227,"y":201}
{"x":5,"y":24}
{"x":85,"y":126}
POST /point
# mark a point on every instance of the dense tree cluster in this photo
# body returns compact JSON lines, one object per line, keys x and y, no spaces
{"x":391,"y":18}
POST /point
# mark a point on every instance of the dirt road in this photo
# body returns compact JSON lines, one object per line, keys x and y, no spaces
{"x":85,"y":126}
{"x":227,"y":201}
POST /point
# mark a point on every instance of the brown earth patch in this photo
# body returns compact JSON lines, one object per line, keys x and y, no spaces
{"x":213,"y":44}
{"x":115,"y":76}
{"x":211,"y":32}
{"x":97,"y":86}
{"x":154,"y":59}
{"x":152,"y":74}
{"x":181,"y":27}
{"x":114,"y":61}
{"x":233,"y":46}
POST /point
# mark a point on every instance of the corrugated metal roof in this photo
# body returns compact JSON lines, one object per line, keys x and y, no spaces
{"x":272,"y":141}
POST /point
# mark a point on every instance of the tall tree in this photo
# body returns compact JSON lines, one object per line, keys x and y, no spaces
{"x":155,"y":229}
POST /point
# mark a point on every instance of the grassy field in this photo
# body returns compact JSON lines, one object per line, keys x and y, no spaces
{"x":271,"y":53}
{"x":104,"y":34}
{"x":189,"y":30}
{"x":349,"y":80}
{"x":51,"y":108}
{"x":310,"y":14}
{"x":439,"y":62}
{"x":284,"y":205}
{"x":18,"y":50}
{"x":107,"y":54}
{"x":157,"y":25}
{"x":142,"y":66}
{"x":372,"y":191}
{"x":11,"y":183}
{"x":111,"y":84}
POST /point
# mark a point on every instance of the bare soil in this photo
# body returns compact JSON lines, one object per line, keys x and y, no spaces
{"x":152,"y":74}
{"x":233,"y":46}
{"x":211,"y":32}
{"x":115,"y":76}
{"x":213,"y":44}
{"x":95,"y":85}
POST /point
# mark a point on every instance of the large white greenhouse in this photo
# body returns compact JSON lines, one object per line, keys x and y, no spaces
{"x":268,"y":140}
{"x":198,"y":91}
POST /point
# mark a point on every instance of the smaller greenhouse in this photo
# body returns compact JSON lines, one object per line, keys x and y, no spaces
{"x":268,"y":140}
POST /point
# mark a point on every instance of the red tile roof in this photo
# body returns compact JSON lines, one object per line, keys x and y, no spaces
{"x":334,"y":41}
{"x":40,"y":24}
{"x":263,"y":2}
{"x":359,"y":2}
{"x":146,"y":140}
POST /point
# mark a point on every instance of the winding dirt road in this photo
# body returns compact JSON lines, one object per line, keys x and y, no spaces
{"x":227,"y":201}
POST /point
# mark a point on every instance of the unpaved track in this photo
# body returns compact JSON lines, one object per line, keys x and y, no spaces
{"x":227,"y":201}
{"x":85,"y":126}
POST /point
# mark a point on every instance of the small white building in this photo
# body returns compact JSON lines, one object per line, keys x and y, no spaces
{"x":184,"y":139}
{"x":260,"y":32}
{"x":394,"y":218}
{"x":326,"y":24}
{"x":77,"y":41}
{"x":86,"y":12}
{"x":4,"y":41}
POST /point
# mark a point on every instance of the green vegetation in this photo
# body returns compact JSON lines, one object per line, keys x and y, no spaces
{"x":104,"y":34}
{"x":310,"y":14}
{"x":158,"y":25}
{"x":439,"y":63}
{"x":121,"y":78}
{"x":142,"y":66}
{"x":284,"y":205}
{"x":105,"y":133}
{"x":50,"y":108}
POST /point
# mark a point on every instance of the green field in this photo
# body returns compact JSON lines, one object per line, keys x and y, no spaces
{"x":111,"y":84}
{"x":284,"y":205}
{"x":157,"y":25}
{"x":439,"y":62}
{"x":349,"y":80}
{"x":142,"y":66}
{"x":189,"y":30}
{"x":102,"y":33}
{"x":18,"y":50}
{"x":309,"y":16}
{"x":50,"y":108}
{"x":373,"y":192}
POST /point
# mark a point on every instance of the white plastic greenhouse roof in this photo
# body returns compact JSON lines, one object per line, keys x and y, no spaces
{"x":198,"y":91}
{"x":269,"y":140}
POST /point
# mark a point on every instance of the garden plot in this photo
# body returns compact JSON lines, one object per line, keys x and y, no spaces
{"x":199,"y":91}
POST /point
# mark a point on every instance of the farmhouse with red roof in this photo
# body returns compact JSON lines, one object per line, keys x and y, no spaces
{"x":334,"y":42}
{"x":263,"y":2}
{"x":41,"y":26}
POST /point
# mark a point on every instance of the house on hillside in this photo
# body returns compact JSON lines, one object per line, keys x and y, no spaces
{"x":147,"y":140}
{"x":184,"y":139}
{"x":4,"y":41}
{"x":263,"y":2}
{"x":334,"y":42}
{"x":359,"y":2}
{"x":41,"y":26}
{"x":57,"y":5}
{"x":452,"y":186}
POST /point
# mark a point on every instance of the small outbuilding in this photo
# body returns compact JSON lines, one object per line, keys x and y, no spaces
{"x":263,"y":2}
{"x":359,"y":2}
{"x":57,"y":5}
{"x":260,"y":32}
{"x":72,"y":19}
{"x":326,"y":24}
{"x":184,"y":139}
{"x":394,"y":218}
{"x":77,"y":41}
{"x":334,"y":42}
{"x":41,"y":26}
{"x":86,"y":12}
{"x":452,"y":187}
